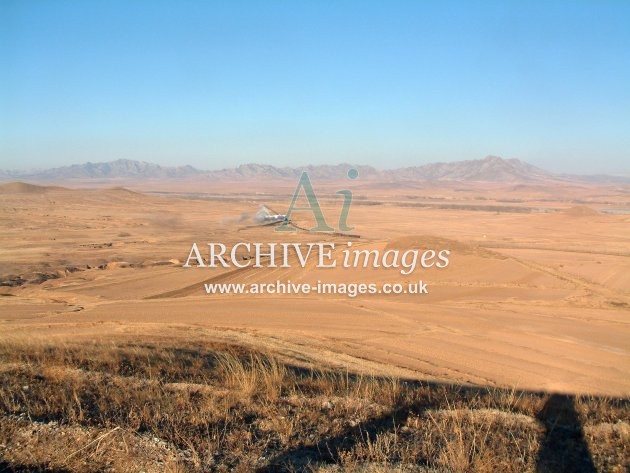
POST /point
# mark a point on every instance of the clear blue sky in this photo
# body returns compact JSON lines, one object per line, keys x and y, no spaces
{"x":288,"y":83}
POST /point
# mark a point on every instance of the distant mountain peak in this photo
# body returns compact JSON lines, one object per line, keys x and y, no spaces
{"x":489,"y":169}
{"x":119,"y":168}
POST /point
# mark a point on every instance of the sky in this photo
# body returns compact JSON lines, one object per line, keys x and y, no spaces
{"x":390,"y":83}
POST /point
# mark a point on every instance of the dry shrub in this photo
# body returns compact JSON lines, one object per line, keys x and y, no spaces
{"x":256,"y":375}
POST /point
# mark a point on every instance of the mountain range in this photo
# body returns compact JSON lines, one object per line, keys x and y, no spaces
{"x":489,"y":169}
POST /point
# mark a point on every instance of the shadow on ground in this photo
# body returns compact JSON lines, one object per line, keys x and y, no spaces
{"x":563,"y":449}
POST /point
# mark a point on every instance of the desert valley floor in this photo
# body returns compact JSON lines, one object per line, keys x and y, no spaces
{"x":536,"y":296}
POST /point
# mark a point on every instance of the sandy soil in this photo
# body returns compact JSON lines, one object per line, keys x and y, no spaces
{"x":536,"y":295}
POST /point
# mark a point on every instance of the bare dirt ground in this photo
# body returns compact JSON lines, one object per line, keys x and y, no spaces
{"x":536,"y":295}
{"x":114,"y":358}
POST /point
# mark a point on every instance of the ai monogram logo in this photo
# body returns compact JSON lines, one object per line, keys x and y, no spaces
{"x":313,"y":206}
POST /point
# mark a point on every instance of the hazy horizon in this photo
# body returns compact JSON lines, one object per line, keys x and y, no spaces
{"x":19,"y":172}
{"x":405,"y":83}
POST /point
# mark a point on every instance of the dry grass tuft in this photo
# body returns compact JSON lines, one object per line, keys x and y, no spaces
{"x":155,"y":406}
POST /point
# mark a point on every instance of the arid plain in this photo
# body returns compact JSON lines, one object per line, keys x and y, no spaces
{"x":536,"y":295}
